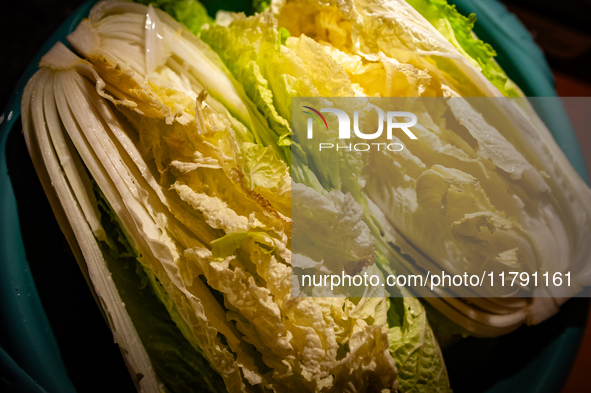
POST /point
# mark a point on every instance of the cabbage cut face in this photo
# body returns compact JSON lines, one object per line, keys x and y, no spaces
{"x":484,"y":187}
{"x":209,"y":220}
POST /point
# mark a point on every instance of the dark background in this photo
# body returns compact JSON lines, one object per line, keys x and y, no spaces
{"x":561,"y":28}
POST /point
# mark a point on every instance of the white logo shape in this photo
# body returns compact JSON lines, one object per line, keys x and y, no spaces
{"x":391,"y":124}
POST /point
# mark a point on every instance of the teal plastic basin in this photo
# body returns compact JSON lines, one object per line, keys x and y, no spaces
{"x":32,"y":359}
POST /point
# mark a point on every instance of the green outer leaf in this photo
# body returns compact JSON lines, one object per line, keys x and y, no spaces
{"x":191,"y":13}
{"x":236,"y":47}
{"x":179,"y":364}
{"x":420,"y":364}
{"x":443,"y":16}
